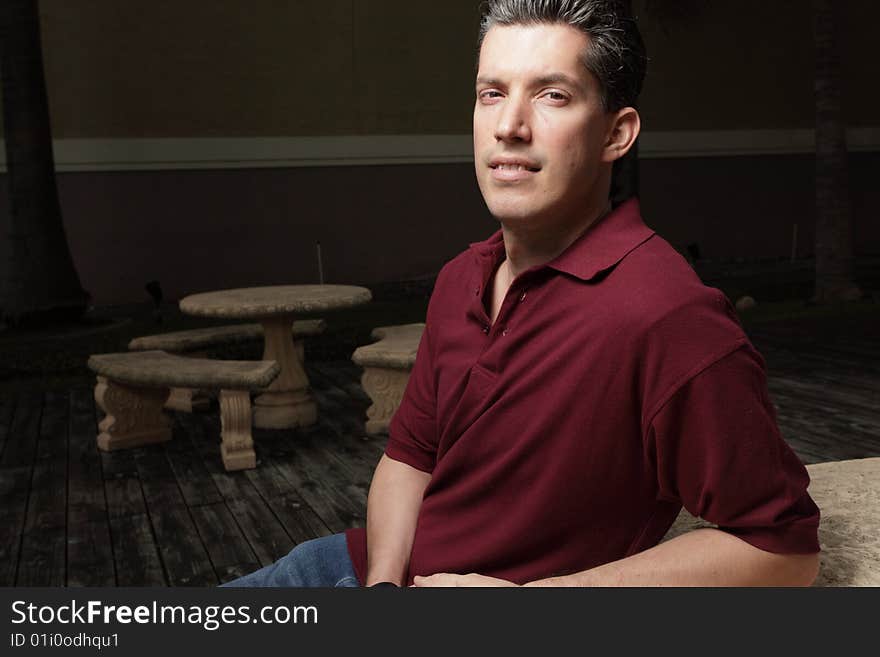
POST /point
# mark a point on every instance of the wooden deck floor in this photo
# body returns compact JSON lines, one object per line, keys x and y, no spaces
{"x":170,"y":515}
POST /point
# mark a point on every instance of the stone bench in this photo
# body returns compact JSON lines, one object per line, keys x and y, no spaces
{"x":387,"y":365}
{"x":848,"y":496}
{"x":196,"y":342}
{"x":133,"y":387}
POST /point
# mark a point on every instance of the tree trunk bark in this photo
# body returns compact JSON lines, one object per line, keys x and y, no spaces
{"x":835,"y":262}
{"x":37,"y":275}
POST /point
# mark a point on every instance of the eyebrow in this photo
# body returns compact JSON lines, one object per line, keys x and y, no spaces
{"x":552,"y":78}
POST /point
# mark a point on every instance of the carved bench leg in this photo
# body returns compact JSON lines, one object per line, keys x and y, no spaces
{"x":237,"y":448}
{"x":134,"y":415}
{"x":385,"y":387}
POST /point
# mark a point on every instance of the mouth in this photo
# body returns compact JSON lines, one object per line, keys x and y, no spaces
{"x":513,"y":170}
{"x":514,"y":165}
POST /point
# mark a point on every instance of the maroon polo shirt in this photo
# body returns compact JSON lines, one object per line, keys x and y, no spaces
{"x":613,"y":388}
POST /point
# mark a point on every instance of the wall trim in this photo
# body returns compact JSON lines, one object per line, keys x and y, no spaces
{"x":371,"y":150}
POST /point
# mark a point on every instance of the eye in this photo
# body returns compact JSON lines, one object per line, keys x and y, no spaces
{"x":488,"y":95}
{"x":557,"y":97}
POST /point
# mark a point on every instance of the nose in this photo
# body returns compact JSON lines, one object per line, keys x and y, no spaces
{"x":513,"y":121}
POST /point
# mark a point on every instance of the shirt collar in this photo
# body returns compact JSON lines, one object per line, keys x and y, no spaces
{"x":601,"y":247}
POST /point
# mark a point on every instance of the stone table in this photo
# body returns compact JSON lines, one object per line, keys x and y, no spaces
{"x":286,"y":403}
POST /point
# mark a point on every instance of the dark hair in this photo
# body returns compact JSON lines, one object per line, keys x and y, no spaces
{"x":616,"y":53}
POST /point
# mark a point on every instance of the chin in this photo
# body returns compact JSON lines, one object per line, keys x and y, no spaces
{"x":510,"y":214}
{"x":512,"y":210}
{"x":510,"y":202}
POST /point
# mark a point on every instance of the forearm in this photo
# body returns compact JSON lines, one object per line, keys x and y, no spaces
{"x":392,"y":510}
{"x":704,"y":557}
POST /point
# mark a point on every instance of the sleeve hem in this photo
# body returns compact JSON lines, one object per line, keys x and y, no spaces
{"x":801,"y":539}
{"x":412,"y":457}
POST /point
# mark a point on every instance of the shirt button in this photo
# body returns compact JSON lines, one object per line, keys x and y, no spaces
{"x":477,"y":291}
{"x":504,"y":332}
{"x":486,"y":330}
{"x":522,"y":297}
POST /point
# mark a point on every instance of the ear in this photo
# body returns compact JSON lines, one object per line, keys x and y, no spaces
{"x":623,"y":130}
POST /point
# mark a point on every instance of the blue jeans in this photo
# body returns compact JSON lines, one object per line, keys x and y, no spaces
{"x":321,"y":562}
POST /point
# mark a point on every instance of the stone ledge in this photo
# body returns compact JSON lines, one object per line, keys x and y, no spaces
{"x":848,"y":496}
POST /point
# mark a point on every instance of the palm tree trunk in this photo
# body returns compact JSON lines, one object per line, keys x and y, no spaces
{"x":835,"y":263}
{"x":37,"y":275}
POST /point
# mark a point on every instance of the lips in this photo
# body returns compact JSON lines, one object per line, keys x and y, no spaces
{"x":513,"y":169}
{"x":514,"y":164}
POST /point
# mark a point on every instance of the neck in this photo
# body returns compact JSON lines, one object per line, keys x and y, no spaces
{"x":530,"y":246}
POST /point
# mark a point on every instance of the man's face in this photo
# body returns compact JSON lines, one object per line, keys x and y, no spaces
{"x":539,"y":126}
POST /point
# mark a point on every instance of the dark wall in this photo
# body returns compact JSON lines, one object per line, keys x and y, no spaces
{"x":201,"y":230}
{"x":747,"y":206}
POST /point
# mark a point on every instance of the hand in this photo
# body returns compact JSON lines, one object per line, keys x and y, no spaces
{"x":450,"y":579}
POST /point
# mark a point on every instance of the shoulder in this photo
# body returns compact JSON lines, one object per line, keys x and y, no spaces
{"x":664,"y":298}
{"x":676,"y":325}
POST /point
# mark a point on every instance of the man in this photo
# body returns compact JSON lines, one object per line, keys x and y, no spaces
{"x":576,"y":384}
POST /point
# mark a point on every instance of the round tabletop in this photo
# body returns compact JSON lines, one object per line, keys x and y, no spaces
{"x":274,"y":301}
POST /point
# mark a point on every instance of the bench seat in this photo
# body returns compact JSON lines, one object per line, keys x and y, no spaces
{"x":215,"y":336}
{"x":133,"y":387}
{"x":387,"y":365}
{"x":196,"y":342}
{"x":161,"y":369}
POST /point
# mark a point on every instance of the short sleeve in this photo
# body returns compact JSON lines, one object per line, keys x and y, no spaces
{"x":718,"y":452}
{"x":412,"y":434}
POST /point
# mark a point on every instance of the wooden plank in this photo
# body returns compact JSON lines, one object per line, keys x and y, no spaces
{"x":260,"y":527}
{"x":16,"y":467}
{"x":344,"y":451}
{"x":193,"y":479}
{"x":346,"y":420}
{"x":134,"y":551}
{"x":124,"y":497}
{"x":827,"y":400}
{"x":808,"y":447}
{"x":229,"y":573}
{"x":824,"y":422}
{"x":118,"y":464}
{"x":89,"y":552}
{"x":43,"y":559}
{"x":298,"y":519}
{"x":225,"y":543}
{"x":21,"y":444}
{"x":323,"y":484}
{"x":183,"y":554}
{"x":805,"y":453}
{"x":860,"y":387}
{"x":822,"y":358}
{"x":130,"y":529}
{"x":351,"y":406}
{"x":336,"y":403}
{"x":44,"y":544}
{"x":157,"y":480}
{"x":829,"y":448}
{"x":346,"y":376}
{"x":89,"y":546}
{"x":7,"y":408}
